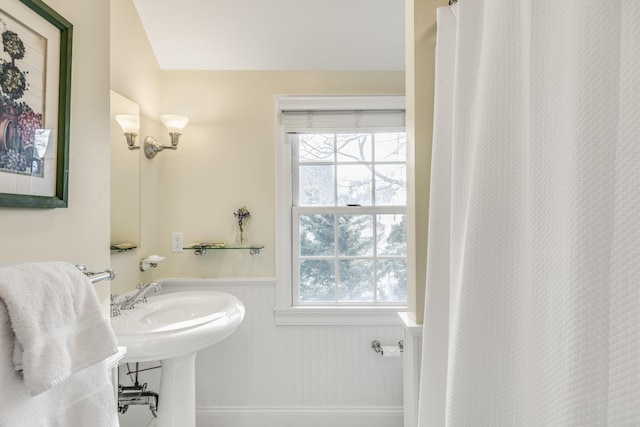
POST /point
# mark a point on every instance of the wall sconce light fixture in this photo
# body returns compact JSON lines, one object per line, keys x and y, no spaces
{"x":130,"y":125}
{"x":174,"y":124}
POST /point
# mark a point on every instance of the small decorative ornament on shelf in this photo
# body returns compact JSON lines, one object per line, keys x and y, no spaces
{"x":242,"y":216}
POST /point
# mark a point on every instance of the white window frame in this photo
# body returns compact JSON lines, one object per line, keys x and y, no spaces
{"x":285,"y":312}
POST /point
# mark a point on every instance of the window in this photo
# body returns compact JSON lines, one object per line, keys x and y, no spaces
{"x":348,"y":217}
{"x":341,"y":206}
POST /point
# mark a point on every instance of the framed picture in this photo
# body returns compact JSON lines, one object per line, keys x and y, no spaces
{"x":35,"y":83}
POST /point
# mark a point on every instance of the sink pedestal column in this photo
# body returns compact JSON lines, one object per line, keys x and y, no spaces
{"x":177,"y":401}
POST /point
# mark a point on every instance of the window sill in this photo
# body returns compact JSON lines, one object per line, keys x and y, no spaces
{"x":334,"y":316}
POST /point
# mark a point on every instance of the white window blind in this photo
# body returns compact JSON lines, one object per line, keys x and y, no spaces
{"x":342,"y":120}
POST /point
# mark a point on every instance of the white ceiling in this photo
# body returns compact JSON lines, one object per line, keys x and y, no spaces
{"x":275,"y":34}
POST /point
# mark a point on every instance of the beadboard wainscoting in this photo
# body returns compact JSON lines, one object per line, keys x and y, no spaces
{"x":304,"y":376}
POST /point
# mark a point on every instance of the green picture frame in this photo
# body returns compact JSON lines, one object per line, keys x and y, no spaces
{"x":35,"y":98}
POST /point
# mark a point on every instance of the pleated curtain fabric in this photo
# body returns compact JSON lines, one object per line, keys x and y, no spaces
{"x":532,"y":313}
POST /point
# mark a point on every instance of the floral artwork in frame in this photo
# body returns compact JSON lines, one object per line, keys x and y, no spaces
{"x":35,"y":79}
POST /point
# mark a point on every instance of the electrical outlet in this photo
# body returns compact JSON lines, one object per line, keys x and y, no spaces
{"x":177,"y":242}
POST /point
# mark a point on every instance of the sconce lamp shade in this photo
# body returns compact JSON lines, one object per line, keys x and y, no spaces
{"x":174,"y":123}
{"x":129,"y":123}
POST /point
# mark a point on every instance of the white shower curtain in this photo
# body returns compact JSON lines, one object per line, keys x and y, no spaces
{"x":532,"y":313}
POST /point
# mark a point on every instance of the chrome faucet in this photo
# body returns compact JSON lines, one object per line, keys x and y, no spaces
{"x":143,"y":289}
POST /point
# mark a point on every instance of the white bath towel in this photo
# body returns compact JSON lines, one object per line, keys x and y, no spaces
{"x":53,"y":345}
{"x":85,"y":398}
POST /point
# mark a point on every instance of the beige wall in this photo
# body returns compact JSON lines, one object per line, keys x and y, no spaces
{"x":135,"y":75}
{"x":226,"y":159}
{"x":79,"y":233}
{"x":420,"y":27}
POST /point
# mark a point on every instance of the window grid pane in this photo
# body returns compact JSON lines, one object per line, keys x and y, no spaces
{"x":316,"y":148}
{"x":354,"y":184}
{"x":316,"y":185}
{"x":355,"y":235}
{"x":392,"y":279}
{"x":356,"y":280}
{"x":317,"y":280}
{"x":317,"y":235}
{"x":354,"y":147}
{"x":390,"y":147}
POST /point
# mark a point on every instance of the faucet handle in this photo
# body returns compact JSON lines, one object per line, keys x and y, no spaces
{"x":115,"y":310}
{"x":128,"y":303}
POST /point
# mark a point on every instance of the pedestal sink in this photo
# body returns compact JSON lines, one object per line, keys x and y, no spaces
{"x":171,"y":328}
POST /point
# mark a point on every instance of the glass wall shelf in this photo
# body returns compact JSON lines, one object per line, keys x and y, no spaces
{"x":202,"y":248}
{"x":122,"y":247}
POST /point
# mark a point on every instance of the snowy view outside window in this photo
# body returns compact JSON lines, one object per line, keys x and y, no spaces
{"x":349,"y":218}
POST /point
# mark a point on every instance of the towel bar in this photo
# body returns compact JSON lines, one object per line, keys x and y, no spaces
{"x":108,"y":274}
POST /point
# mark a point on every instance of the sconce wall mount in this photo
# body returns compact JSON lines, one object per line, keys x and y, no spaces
{"x":153,"y":147}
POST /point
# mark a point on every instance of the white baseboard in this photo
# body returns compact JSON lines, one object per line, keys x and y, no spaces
{"x":299,"y":417}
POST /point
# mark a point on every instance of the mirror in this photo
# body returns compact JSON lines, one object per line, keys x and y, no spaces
{"x":125,"y":180}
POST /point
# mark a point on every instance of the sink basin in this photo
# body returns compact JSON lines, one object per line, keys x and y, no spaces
{"x":175,"y":324}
